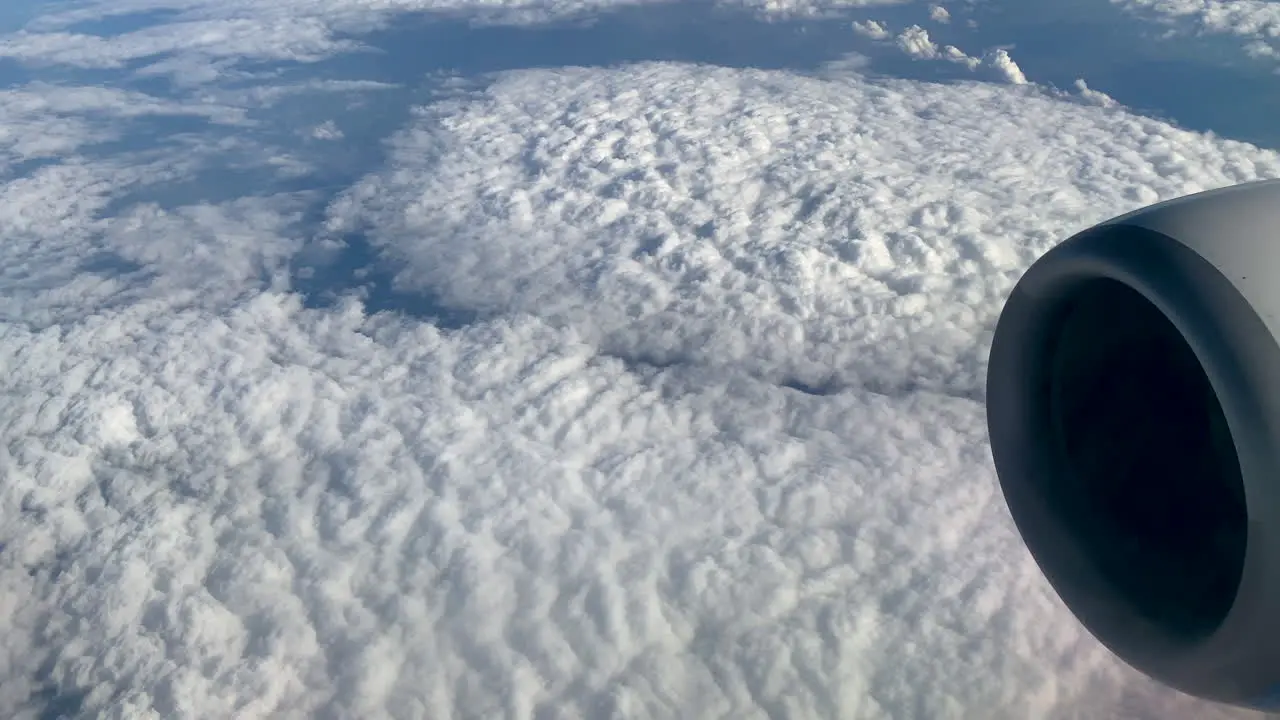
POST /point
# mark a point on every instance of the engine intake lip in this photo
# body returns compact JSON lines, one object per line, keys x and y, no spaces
{"x":1226,"y":645}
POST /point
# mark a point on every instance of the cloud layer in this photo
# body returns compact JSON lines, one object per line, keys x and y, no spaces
{"x":679,"y":412}
{"x":1255,"y":22}
{"x":205,"y":40}
{"x":831,"y":233}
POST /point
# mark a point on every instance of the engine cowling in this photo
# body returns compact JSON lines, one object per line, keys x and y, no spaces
{"x":1133,"y":400}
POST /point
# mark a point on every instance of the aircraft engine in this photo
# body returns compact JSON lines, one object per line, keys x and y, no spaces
{"x":1133,"y":400}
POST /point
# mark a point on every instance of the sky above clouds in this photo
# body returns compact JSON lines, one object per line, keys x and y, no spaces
{"x":425,"y":360}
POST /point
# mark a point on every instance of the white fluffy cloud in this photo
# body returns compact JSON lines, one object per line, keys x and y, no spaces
{"x":70,"y":154}
{"x":914,"y":41}
{"x":606,"y":495}
{"x":870,"y":29}
{"x":711,"y":443}
{"x":109,"y":197}
{"x":360,"y":12}
{"x":292,"y":39}
{"x":1245,"y":17}
{"x":44,"y":121}
{"x":209,"y":37}
{"x":804,"y":229}
{"x":1255,"y":22}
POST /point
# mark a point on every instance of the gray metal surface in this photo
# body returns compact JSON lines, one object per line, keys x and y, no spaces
{"x":1134,"y":414}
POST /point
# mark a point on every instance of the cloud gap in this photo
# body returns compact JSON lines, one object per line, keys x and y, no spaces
{"x":350,"y":266}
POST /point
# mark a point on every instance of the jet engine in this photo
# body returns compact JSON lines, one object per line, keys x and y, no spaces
{"x":1133,"y":406}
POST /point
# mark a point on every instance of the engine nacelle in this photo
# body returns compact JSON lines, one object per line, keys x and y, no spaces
{"x":1133,"y":402}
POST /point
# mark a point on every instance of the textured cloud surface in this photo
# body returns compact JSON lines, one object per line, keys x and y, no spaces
{"x":1255,"y":22}
{"x":209,"y":36}
{"x":674,"y":410}
{"x":832,"y":233}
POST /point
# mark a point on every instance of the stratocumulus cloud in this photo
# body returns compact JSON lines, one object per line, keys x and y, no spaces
{"x":1256,"y":23}
{"x":774,"y":222}
{"x":712,"y":446}
{"x":208,"y":38}
{"x":678,"y":415}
